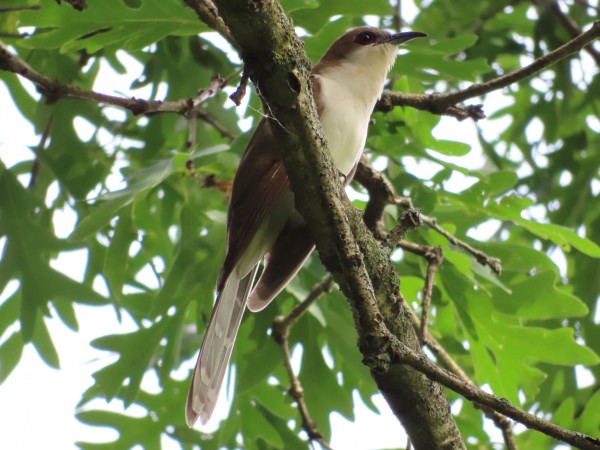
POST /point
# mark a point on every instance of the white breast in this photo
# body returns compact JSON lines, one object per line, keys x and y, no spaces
{"x":349,"y":92}
{"x":345,"y":121}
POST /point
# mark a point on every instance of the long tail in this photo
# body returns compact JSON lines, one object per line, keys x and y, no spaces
{"x":216,"y":347}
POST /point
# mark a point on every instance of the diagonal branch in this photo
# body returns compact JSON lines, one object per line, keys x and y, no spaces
{"x":434,"y":256}
{"x":446,"y":104}
{"x":573,"y":29}
{"x":281,"y":331}
{"x":382,"y":192}
{"x":482,"y":258}
{"x":54,"y":90}
{"x":207,"y":12}
{"x":40,"y":148}
{"x":501,"y":405}
{"x":443,"y":358}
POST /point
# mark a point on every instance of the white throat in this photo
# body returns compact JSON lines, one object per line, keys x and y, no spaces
{"x":349,"y":91}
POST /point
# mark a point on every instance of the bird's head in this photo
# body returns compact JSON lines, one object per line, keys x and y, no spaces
{"x":365,"y":47}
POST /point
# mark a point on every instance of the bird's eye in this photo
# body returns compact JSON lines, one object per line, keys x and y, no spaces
{"x":365,"y":38}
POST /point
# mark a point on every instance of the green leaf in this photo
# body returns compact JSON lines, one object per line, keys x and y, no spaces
{"x":563,"y":416}
{"x":135,"y":351}
{"x":100,"y":216}
{"x":108,"y":23}
{"x":588,"y":418}
{"x":537,"y":297}
{"x":452,"y":45}
{"x":10,"y":355}
{"x":256,"y":426}
{"x":9,"y":310}
{"x":509,"y":208}
{"x":313,"y":18}
{"x":563,"y":237}
{"x":275,"y":399}
{"x":115,"y":264}
{"x":65,"y":311}
{"x":252,"y":371}
{"x":43,"y":343}
{"x":314,"y":376}
{"x":448,"y":148}
{"x":131,"y":430}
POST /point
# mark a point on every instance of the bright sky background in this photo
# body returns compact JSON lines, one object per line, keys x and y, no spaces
{"x":38,"y":403}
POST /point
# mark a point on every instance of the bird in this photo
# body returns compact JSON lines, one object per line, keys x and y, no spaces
{"x":262,"y":224}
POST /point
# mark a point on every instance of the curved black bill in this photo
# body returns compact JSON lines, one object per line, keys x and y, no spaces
{"x":399,"y":38}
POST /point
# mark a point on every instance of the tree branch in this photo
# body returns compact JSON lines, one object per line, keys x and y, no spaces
{"x":240,"y":91}
{"x":35,"y":168}
{"x":54,"y":90}
{"x":482,"y":258}
{"x":9,"y":9}
{"x":434,"y":256}
{"x":207,"y":12}
{"x":281,"y":332}
{"x":382,"y":192}
{"x":446,"y":104}
{"x":573,"y":29}
{"x":502,"y":405}
{"x":443,"y":358}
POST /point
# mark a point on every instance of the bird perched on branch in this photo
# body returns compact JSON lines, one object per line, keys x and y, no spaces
{"x":262,"y":223}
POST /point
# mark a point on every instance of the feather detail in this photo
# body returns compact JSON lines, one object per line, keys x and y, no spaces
{"x":216,"y":348}
{"x":292,"y":248}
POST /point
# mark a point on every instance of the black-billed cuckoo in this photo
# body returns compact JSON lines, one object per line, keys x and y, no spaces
{"x":262,"y":222}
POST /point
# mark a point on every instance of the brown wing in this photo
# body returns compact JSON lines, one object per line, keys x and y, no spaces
{"x":292,"y":248}
{"x":259,"y":182}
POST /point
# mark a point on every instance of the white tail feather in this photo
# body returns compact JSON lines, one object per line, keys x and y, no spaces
{"x":216,"y":348}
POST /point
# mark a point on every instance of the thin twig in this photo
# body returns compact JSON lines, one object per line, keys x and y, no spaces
{"x":281,"y":332}
{"x":434,"y":257}
{"x":239,"y":93}
{"x":78,"y":5}
{"x":192,"y":131}
{"x":378,"y":185}
{"x":54,"y":90}
{"x":409,"y":220}
{"x":212,"y":120}
{"x":447,"y":104}
{"x":573,"y":29}
{"x":482,"y":258}
{"x":8,"y":9}
{"x":444,"y":358}
{"x":207,"y":12}
{"x":216,"y":85}
{"x":381,"y":194}
{"x":468,"y":390}
{"x":586,"y":4}
{"x":398,"y":22}
{"x":40,"y":148}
